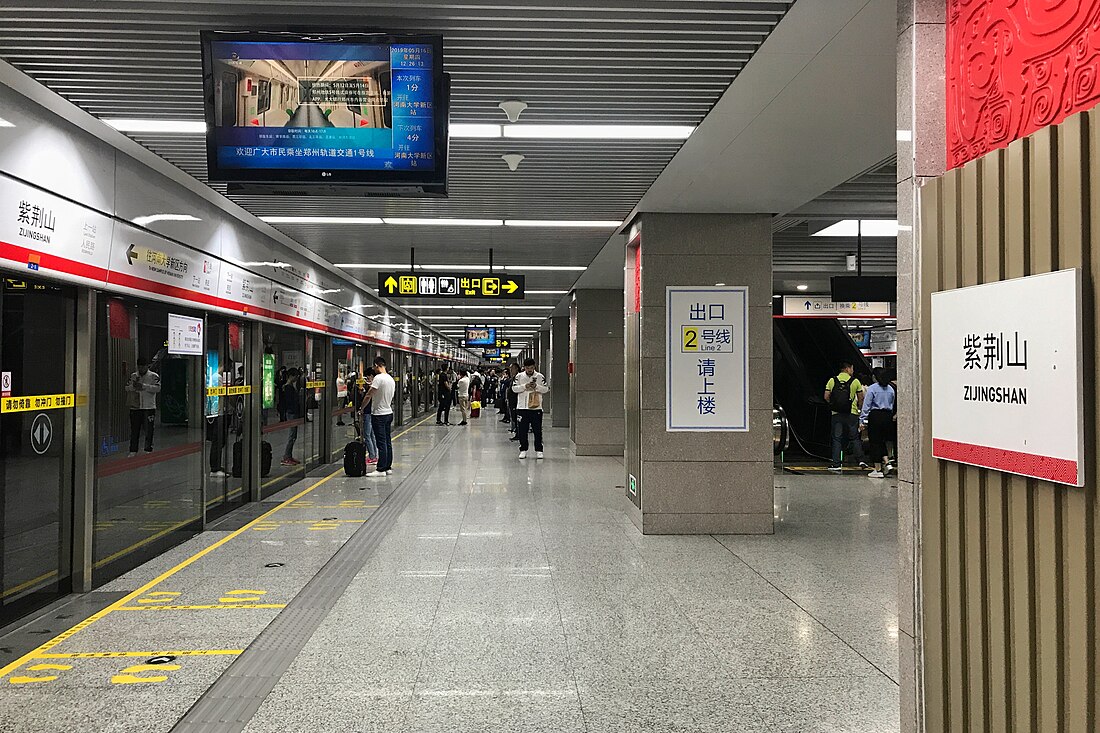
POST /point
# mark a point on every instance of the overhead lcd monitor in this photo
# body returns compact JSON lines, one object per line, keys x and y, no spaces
{"x":329,"y":108}
{"x":481,"y":336}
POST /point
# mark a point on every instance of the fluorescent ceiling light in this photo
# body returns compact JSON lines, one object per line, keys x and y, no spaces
{"x":870,"y":228}
{"x":5,"y":123}
{"x":549,"y":223}
{"x":600,"y":132}
{"x":276,"y":264}
{"x":366,"y":266}
{"x":445,"y":222}
{"x":473,"y":130}
{"x":520,"y":268}
{"x":321,"y":219}
{"x":152,"y":218}
{"x":165,"y":126}
{"x":547,"y":292}
{"x":802,"y":288}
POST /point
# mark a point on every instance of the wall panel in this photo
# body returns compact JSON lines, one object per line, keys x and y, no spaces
{"x":1009,"y":564}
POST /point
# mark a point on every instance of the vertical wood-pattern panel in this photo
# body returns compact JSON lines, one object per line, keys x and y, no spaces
{"x":1010,"y":592}
{"x":931,"y":508}
{"x":993,"y":486}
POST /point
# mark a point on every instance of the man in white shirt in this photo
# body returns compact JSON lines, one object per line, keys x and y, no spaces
{"x":382,"y":390}
{"x":530,"y":386}
{"x":464,"y":394}
{"x":143,"y":386}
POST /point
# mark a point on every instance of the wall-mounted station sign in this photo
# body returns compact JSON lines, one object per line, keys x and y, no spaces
{"x":818,"y":306}
{"x":1007,"y":380}
{"x":488,"y":285}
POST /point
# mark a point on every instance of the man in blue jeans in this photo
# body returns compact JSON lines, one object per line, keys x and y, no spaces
{"x":381,"y":394}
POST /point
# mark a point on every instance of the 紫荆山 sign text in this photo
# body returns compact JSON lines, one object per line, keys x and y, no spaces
{"x":1007,"y":379}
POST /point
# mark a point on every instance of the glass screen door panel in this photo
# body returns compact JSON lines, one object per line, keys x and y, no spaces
{"x":37,"y":339}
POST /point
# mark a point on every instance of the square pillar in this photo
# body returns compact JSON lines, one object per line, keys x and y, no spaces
{"x":557,"y":371}
{"x":702,"y":482}
{"x":597,"y":426}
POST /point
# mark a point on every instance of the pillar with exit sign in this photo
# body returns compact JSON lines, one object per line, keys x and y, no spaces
{"x":698,"y":374}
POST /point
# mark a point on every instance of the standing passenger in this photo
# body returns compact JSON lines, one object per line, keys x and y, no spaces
{"x":513,"y":400}
{"x":844,"y":395}
{"x":143,"y":386}
{"x":369,"y":438}
{"x":443,"y":415}
{"x":877,"y":418}
{"x":291,"y":407}
{"x":381,"y":393}
{"x":529,"y":387}
{"x":463,"y":392}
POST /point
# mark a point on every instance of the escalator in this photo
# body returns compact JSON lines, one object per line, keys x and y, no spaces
{"x":806,"y":353}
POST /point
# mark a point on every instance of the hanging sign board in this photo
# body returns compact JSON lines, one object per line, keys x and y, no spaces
{"x":1007,"y":377}
{"x":483,"y":285}
{"x":817,"y":306}
{"x":707,"y":359}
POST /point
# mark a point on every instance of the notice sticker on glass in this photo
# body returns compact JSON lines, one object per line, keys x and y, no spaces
{"x":184,"y":335}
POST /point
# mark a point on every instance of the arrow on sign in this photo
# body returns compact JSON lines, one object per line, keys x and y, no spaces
{"x":390,"y":284}
{"x":511,"y":287}
{"x":808,"y":305}
{"x":131,"y":254}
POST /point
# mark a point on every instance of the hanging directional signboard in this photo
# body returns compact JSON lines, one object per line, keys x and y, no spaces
{"x":490,"y":286}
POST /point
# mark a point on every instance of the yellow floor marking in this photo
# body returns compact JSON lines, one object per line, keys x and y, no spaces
{"x":26,"y":680}
{"x":147,"y":655}
{"x":210,"y":607}
{"x":159,"y":597}
{"x":39,"y":651}
{"x":129,"y":676}
{"x":242,"y":596}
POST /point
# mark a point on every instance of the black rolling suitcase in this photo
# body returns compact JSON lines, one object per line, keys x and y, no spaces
{"x":238,"y":462}
{"x":265,"y":458}
{"x":355,"y":459}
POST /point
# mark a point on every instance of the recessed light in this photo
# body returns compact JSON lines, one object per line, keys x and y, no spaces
{"x":600,"y":132}
{"x":153,"y":218}
{"x":868,"y":227}
{"x":551,"y":223}
{"x":719,"y":285}
{"x":321,"y":219}
{"x":161,"y":126}
{"x":776,"y":297}
{"x":802,"y":288}
{"x":445,"y":222}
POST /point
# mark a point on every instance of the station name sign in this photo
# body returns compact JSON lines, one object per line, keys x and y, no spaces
{"x":1007,"y":377}
{"x":482,"y":286}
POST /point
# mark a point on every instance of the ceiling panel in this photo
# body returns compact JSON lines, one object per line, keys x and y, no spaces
{"x":606,"y":61}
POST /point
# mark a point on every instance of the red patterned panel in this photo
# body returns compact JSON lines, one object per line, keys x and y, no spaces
{"x":1015,"y":66}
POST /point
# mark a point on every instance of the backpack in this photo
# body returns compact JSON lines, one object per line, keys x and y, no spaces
{"x":840,"y":396}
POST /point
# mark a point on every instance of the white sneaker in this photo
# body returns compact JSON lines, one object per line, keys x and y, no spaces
{"x":522,"y":454}
{"x":376,"y":474}
{"x":876,"y":474}
{"x":131,"y":455}
{"x":889,"y":469}
{"x":863,"y":464}
{"x":389,"y":472}
{"x":218,"y":474}
{"x":539,"y":455}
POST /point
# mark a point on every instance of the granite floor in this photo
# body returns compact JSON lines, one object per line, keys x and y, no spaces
{"x":517,"y":595}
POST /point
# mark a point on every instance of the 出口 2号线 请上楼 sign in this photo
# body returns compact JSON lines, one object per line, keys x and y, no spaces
{"x":1007,"y":378}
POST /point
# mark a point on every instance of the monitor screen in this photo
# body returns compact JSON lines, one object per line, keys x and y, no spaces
{"x":327,"y":107}
{"x":481,"y":336}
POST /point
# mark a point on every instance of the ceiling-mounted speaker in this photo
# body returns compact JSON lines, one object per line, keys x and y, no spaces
{"x":513,"y":160}
{"x":513,"y":108}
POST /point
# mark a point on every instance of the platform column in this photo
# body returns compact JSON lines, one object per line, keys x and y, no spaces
{"x":596,"y":385}
{"x":557,"y":371}
{"x":697,"y":482}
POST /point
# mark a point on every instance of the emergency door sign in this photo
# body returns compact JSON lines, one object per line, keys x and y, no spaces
{"x":1007,"y":378}
{"x":707,"y":359}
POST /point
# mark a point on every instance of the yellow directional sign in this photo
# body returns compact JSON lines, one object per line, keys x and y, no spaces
{"x":481,"y":286}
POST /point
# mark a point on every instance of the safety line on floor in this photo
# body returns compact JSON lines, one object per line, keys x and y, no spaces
{"x":125,"y":600}
{"x":231,"y":702}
